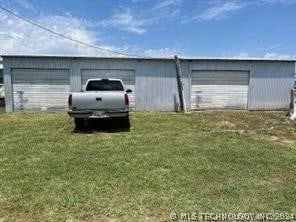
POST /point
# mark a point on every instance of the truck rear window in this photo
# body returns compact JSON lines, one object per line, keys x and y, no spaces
{"x":104,"y":85}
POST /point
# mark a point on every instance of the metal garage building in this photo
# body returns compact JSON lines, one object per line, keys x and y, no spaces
{"x":1,"y":71}
{"x":44,"y":82}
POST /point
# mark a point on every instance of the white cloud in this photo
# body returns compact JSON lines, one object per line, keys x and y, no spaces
{"x":164,"y":52}
{"x":26,"y":4}
{"x":220,"y":11}
{"x":138,"y":1}
{"x":216,"y":11}
{"x":20,"y":37}
{"x":124,"y":20}
{"x":278,"y":1}
{"x":163,"y":12}
{"x":242,"y":55}
{"x":268,"y":55}
{"x":166,"y":3}
{"x":271,"y":55}
{"x":138,"y":21}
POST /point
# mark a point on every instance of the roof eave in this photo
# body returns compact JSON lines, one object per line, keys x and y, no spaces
{"x":151,"y":58}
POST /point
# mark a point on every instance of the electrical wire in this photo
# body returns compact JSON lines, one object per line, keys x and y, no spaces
{"x":4,"y":50}
{"x":67,"y":37}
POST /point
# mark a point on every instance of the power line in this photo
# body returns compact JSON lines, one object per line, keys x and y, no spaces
{"x":4,"y":50}
{"x":64,"y":36}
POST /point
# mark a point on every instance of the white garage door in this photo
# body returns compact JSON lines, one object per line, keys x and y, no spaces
{"x":40,"y":89}
{"x":127,"y":76}
{"x":219,"y":89}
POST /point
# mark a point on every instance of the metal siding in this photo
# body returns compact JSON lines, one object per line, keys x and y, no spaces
{"x":75,"y":76}
{"x":156,"y":85}
{"x":41,"y":63}
{"x":214,"y":89}
{"x":7,"y":85}
{"x":127,"y":76}
{"x":270,"y":81}
{"x":1,"y":76}
{"x":270,"y":85}
{"x":96,"y":63}
{"x":40,"y":89}
{"x":155,"y":79}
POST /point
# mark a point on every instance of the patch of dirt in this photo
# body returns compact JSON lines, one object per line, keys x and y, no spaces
{"x":162,"y":170}
{"x":275,"y":183}
{"x":107,"y":219}
{"x":143,"y":154}
{"x":286,"y":141}
{"x":280,"y":140}
{"x":274,"y":138}
{"x":225,"y":124}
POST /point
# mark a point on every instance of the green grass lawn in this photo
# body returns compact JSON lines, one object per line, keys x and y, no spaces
{"x":2,"y":109}
{"x":198,"y":162}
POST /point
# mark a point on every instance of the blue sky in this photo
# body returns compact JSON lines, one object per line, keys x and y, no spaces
{"x":217,"y":28}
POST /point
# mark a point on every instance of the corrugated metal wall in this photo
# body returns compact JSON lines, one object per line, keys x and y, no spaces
{"x":270,"y":85}
{"x":270,"y":81}
{"x":157,"y":87}
{"x":1,"y":76}
{"x":155,"y":83}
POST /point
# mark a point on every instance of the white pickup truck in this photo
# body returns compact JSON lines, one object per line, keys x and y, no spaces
{"x":1,"y":91}
{"x":102,"y":98}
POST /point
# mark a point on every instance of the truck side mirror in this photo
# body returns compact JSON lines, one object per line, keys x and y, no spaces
{"x":129,"y":91}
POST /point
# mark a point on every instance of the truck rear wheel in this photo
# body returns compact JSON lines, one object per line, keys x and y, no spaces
{"x":79,"y":123}
{"x":126,"y":123}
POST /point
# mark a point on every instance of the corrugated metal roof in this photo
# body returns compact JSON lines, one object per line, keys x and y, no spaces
{"x":153,"y":58}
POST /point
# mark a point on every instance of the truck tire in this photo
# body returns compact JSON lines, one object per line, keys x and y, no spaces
{"x":79,"y":123}
{"x":126,"y":123}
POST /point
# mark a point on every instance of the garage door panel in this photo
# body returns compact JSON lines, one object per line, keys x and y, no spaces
{"x":41,"y":76}
{"x":40,"y":89}
{"x":219,"y":78}
{"x":219,"y":98}
{"x":219,"y":89}
{"x":127,"y":76}
{"x":38,"y":107}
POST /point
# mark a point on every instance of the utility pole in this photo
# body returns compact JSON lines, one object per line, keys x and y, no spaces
{"x":180,"y":85}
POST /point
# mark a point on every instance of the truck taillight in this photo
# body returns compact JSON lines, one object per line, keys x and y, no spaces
{"x":126,"y":99}
{"x":70,"y":100}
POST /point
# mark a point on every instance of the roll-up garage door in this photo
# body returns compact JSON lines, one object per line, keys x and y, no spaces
{"x":40,"y":89}
{"x":127,"y":76}
{"x":219,"y":89}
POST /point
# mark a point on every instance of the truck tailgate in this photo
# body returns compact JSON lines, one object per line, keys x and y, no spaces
{"x":98,"y":100}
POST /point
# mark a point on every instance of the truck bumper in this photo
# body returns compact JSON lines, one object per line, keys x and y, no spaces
{"x":99,"y":114}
